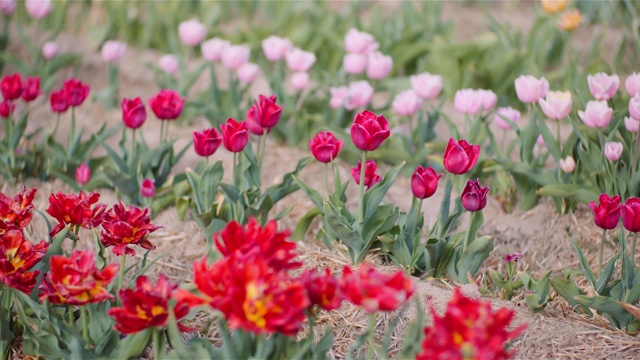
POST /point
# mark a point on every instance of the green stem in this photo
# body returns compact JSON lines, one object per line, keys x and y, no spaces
{"x":235,"y":169}
{"x":262,"y":147}
{"x":85,"y":325}
{"x":371,"y":338}
{"x":122,"y":269}
{"x":70,"y":312}
{"x":156,"y":343}
{"x":162,"y":131}
{"x":55,"y":129}
{"x":76,"y":230}
{"x":206,"y":162}
{"x":416,"y":221}
{"x":559,"y":135}
{"x":12,"y":150}
{"x":634,"y":164}
{"x":133,"y":150}
{"x":326,"y":179}
{"x":72,"y":132}
{"x":633,"y":248}
{"x":604,"y":236}
{"x":360,"y":215}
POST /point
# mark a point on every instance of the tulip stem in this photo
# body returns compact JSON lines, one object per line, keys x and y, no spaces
{"x":263,"y":145}
{"x":559,"y":135}
{"x":72,"y":132}
{"x":70,"y":312}
{"x":161,"y":131}
{"x":633,"y":248}
{"x":76,"y":230}
{"x":85,"y":325}
{"x":156,"y":343}
{"x":122,"y":268}
{"x":415,"y":224}
{"x":604,"y":237}
{"x":133,"y":149}
{"x":326,"y":179}
{"x":634,"y":164}
{"x":235,"y":169}
{"x":55,"y":129}
{"x":360,"y":215}
{"x":371,"y":336}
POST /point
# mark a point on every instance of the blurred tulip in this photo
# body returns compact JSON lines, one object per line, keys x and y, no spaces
{"x":206,"y":142}
{"x":234,"y":135}
{"x":424,"y":182}
{"x":148,"y":188}
{"x":167,"y":104}
{"x":275,"y":48}
{"x":16,"y":211}
{"x":540,"y":141}
{"x":112,"y":51}
{"x":567,"y":164}
{"x":325,"y":146}
{"x":234,"y":56}
{"x":17,"y":256}
{"x":75,"y":92}
{"x":613,"y":151}
{"x":192,"y":32}
{"x":31,"y":88}
{"x":603,"y":86}
{"x":58,"y":101}
{"x":406,"y":103}
{"x":359,"y":42}
{"x":322,"y":289}
{"x":379,"y":65}
{"x":360,"y":95}
{"x":50,"y":50}
{"x":557,"y":105}
{"x":7,"y":108}
{"x":515,"y":257}
{"x":427,"y":86}
{"x":474,"y":197}
{"x":508,"y":113}
{"x":553,"y":6}
{"x":83,"y":174}
{"x":468,"y":101}
{"x":11,"y":87}
{"x":213,"y":49}
{"x":630,"y":212}
{"x":489,"y":99}
{"x":355,"y":63}
{"x":570,"y":20}
{"x":169,"y":64}
{"x":369,"y":130}
{"x":38,"y":9}
{"x":7,"y":7}
{"x":299,"y":81}
{"x":634,"y":107}
{"x":631,"y":124}
{"x":370,"y":176}
{"x":248,"y":72}
{"x":338,"y":96}
{"x":632,"y":84}
{"x":300,"y":60}
{"x":375,"y":291}
{"x":531,"y":90}
{"x":596,"y":115}
{"x":607,"y":212}
{"x":460,"y":156}
{"x":134,"y":114}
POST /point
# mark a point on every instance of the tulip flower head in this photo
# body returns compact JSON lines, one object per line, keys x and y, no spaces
{"x":570,"y":20}
{"x":338,"y":96}
{"x":631,"y":124}
{"x":369,"y":130}
{"x":568,"y":164}
{"x":515,"y":257}
{"x":206,"y":142}
{"x":300,"y":60}
{"x":553,"y":6}
{"x":373,"y":290}
{"x":557,"y":105}
{"x":112,"y":51}
{"x":78,"y":210}
{"x":58,"y":101}
{"x":148,"y":188}
{"x":169,"y":64}
{"x":17,"y":257}
{"x":359,"y":95}
{"x":508,"y":113}
{"x":83,"y":174}
{"x":460,"y":156}
{"x":7,"y":7}
{"x":355,"y":63}
{"x":370,"y":176}
{"x":427,"y":86}
{"x":424,"y":182}
{"x":234,"y":135}
{"x":50,"y":50}
{"x":75,"y":92}
{"x":606,"y":212}
{"x":134,"y":114}
{"x":11,"y":87}
{"x":530,"y":89}
{"x":489,"y":99}
{"x":596,"y":115}
{"x":322,"y":289}
{"x":603,"y":86}
{"x":632,"y":84}
{"x":234,"y":56}
{"x":468,"y":101}
{"x":406,"y":103}
{"x":325,"y":146}
{"x":613,"y":151}
{"x":248,"y":72}
{"x":167,"y":104}
{"x":123,"y":227}
{"x":192,"y":32}
{"x":275,"y":48}
{"x":379,"y":65}
{"x":7,"y":108}
{"x":360,"y":42}
{"x":634,"y":107}
{"x":38,"y":9}
{"x":16,"y":211}
{"x":213,"y":49}
{"x":299,"y":81}
{"x":30,"y":88}
{"x":630,"y":212}
{"x":474,"y":197}
{"x":265,"y":112}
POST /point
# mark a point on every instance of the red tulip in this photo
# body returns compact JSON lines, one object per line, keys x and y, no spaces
{"x":206,"y":142}
{"x":58,"y":101}
{"x":322,"y":289}
{"x":17,"y":257}
{"x":78,"y":210}
{"x":76,"y":280}
{"x":148,"y":188}
{"x":369,"y":130}
{"x":124,"y":227}
{"x":11,"y":87}
{"x":75,"y":92}
{"x":265,"y":112}
{"x":631,"y":214}
{"x":460,"y":157}
{"x":16,"y":211}
{"x":83,"y":174}
{"x":234,"y":135}
{"x":424,"y":182}
{"x":370,"y":176}
{"x":7,"y":108}
{"x":607,"y":213}
{"x":325,"y":147}
{"x":375,"y":291}
{"x":167,"y":104}
{"x":474,"y":197}
{"x":31,"y":88}
{"x":134,"y":114}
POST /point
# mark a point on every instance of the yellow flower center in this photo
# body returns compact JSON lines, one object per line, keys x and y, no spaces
{"x":255,"y":305}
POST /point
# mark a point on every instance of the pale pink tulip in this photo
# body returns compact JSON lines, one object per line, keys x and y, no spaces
{"x":508,"y":113}
{"x":234,"y":56}
{"x":7,"y":7}
{"x":38,"y":9}
{"x":378,"y":65}
{"x":192,"y":32}
{"x":359,"y":42}
{"x":557,"y":105}
{"x":248,"y":72}
{"x":529,"y":89}
{"x":613,"y":151}
{"x":468,"y":101}
{"x":299,"y":81}
{"x":568,"y":164}
{"x":631,"y":124}
{"x":406,"y":103}
{"x":213,"y":49}
{"x":338,"y":96}
{"x":112,"y":51}
{"x":169,"y":64}
{"x":360,"y":94}
{"x":300,"y":60}
{"x":634,"y":107}
{"x":596,"y":115}
{"x":427,"y":86}
{"x":632,"y":84}
{"x":489,"y":99}
{"x":275,"y":48}
{"x":50,"y":50}
{"x":603,"y":86}
{"x":355,"y":63}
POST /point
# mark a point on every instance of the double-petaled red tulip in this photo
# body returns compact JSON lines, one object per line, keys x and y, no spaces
{"x":58,"y":101}
{"x":369,"y":130}
{"x":424,"y":182}
{"x":606,"y":214}
{"x":234,"y":135}
{"x":134,"y":114}
{"x":373,"y":290}
{"x":167,"y":104}
{"x":7,"y":108}
{"x":370,"y":176}
{"x":75,"y":92}
{"x":631,"y":214}
{"x":17,"y":257}
{"x":76,"y":280}
{"x":16,"y":211}
{"x":325,"y":146}
{"x":474,"y":197}
{"x":206,"y":142}
{"x":77,"y":210}
{"x":469,"y":329}
{"x":125,"y":227}
{"x":147,"y":305}
{"x":11,"y":87}
{"x":322,"y":289}
{"x":265,"y":113}
{"x":460,"y":156}
{"x":31,"y":88}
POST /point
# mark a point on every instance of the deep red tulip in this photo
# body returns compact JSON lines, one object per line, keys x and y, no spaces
{"x":83,"y":174}
{"x":11,"y":87}
{"x":7,"y":108}
{"x":369,"y":130}
{"x":234,"y":135}
{"x":424,"y":182}
{"x":322,"y":289}
{"x":325,"y":146}
{"x":474,"y":197}
{"x":75,"y":92}
{"x":460,"y":157}
{"x":606,"y":214}
{"x":375,"y":291}
{"x":17,"y":257}
{"x":78,"y":210}
{"x":134,"y":114}
{"x":125,"y":227}
{"x":264,"y":112}
{"x":16,"y":211}
{"x":206,"y":142}
{"x":31,"y":88}
{"x":167,"y":104}
{"x":58,"y":101}
{"x":370,"y":176}
{"x":148,"y":188}
{"x":631,"y":214}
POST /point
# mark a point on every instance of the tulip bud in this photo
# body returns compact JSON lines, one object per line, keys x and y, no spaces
{"x":632,"y":84}
{"x":206,"y":142}
{"x":529,"y":89}
{"x":234,"y":56}
{"x":148,"y":188}
{"x":613,"y":151}
{"x":631,"y":124}
{"x":603,"y":86}
{"x":338,"y":96}
{"x":11,"y":87}
{"x":515,"y":257}
{"x":379,"y":65}
{"x":75,"y":92}
{"x":234,"y":135}
{"x":58,"y":101}
{"x":192,"y":32}
{"x":325,"y":146}
{"x":568,"y":164}
{"x":248,"y":72}
{"x":31,"y":88}
{"x":213,"y":49}
{"x":460,"y":156}
{"x":360,"y":94}
{"x":424,"y":182}
{"x":369,"y":130}
{"x":557,"y":105}
{"x":169,"y":64}
{"x":299,"y":81}
{"x":83,"y":174}
{"x":7,"y":108}
{"x":427,"y":86}
{"x":50,"y":50}
{"x":407,"y":103}
{"x":359,"y":42}
{"x":167,"y":104}
{"x":112,"y":51}
{"x":607,"y":212}
{"x":630,"y":212}
{"x":134,"y":114}
{"x":596,"y":115}
{"x":468,"y":101}
{"x":474,"y":197}
{"x":38,"y":9}
{"x":275,"y":48}
{"x":300,"y":60}
{"x":370,"y":176}
{"x":508,"y":113}
{"x":634,"y":107}
{"x":355,"y":63}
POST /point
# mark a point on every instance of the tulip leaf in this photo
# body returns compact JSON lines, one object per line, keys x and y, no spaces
{"x":450,"y":245}
{"x":619,"y":317}
{"x":343,"y":230}
{"x":303,"y":224}
{"x":568,"y":290}
{"x":373,"y":197}
{"x":584,"y":264}
{"x":549,"y":139}
{"x":313,"y":194}
{"x":473,"y":257}
{"x":605,"y":276}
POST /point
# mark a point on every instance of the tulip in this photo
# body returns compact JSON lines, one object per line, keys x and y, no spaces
{"x":355,"y":63}
{"x":406,"y":103}
{"x":359,"y":42}
{"x":192,"y":32}
{"x":58,"y":101}
{"x":50,"y":50}
{"x":16,"y":211}
{"x":424,"y":182}
{"x":78,"y":210}
{"x":300,"y":60}
{"x":568,"y":164}
{"x":11,"y":87}
{"x":123,"y":227}
{"x":468,"y":101}
{"x":234,"y":56}
{"x":540,"y":141}
{"x":265,"y":112}
{"x":460,"y":156}
{"x":148,"y":188}
{"x":630,"y":212}
{"x":596,"y":115}
{"x":603,"y":86}
{"x":112,"y":51}
{"x":38,"y":9}
{"x":299,"y":81}
{"x":370,"y":176}
{"x":169,"y":64}
{"x":607,"y":213}
{"x":553,"y":6}
{"x":322,"y":289}
{"x":206,"y":142}
{"x":515,"y":257}
{"x":213,"y":49}
{"x":570,"y":20}
{"x":360,"y":94}
{"x":338,"y":96}
{"x":275,"y":48}
{"x":508,"y":113}
{"x":632,"y":84}
{"x":75,"y":92}
{"x":613,"y":151}
{"x":325,"y":146}
{"x":634,"y":107}
{"x":17,"y":256}
{"x":134,"y":114}
{"x":378,"y":65}
{"x":375,"y":291}
{"x":557,"y":105}
{"x":6,"y":109}
{"x":234,"y":135}
{"x":369,"y":130}
{"x":7,"y":7}
{"x":248,"y":72}
{"x":474,"y":197}
{"x":489,"y":99}
{"x":31,"y":88}
{"x":531,"y":90}
{"x":83,"y":174}
{"x":167,"y":104}
{"x":631,"y":124}
{"x":427,"y":86}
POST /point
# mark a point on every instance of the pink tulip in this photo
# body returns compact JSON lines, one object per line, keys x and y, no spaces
{"x":275,"y":48}
{"x":355,"y":63}
{"x":407,"y":103}
{"x":596,"y":115}
{"x":300,"y":60}
{"x":49,"y":50}
{"x":38,"y":9}
{"x":112,"y":51}
{"x":360,"y":94}
{"x":7,"y":7}
{"x":467,"y":101}
{"x":248,"y":72}
{"x":378,"y":65}
{"x":509,"y":113}
{"x":632,"y":84}
{"x":634,"y":107}
{"x":631,"y":124}
{"x":213,"y":49}
{"x":83,"y":174}
{"x":427,"y":86}
{"x":568,"y":164}
{"x":169,"y":64}
{"x":489,"y":99}
{"x":557,"y":105}
{"x":299,"y":81}
{"x":529,"y":89}
{"x":540,"y":141}
{"x":192,"y":32}
{"x":234,"y":56}
{"x":603,"y":86}
{"x":338,"y":96}
{"x":613,"y":151}
{"x":358,"y":42}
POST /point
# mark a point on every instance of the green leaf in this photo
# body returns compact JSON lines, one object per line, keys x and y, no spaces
{"x":473,"y":257}
{"x":373,"y":197}
{"x":584,"y":264}
{"x":132,"y":346}
{"x":568,"y":290}
{"x":303,"y":224}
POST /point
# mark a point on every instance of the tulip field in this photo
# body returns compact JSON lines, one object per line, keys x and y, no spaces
{"x":319,"y":180}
